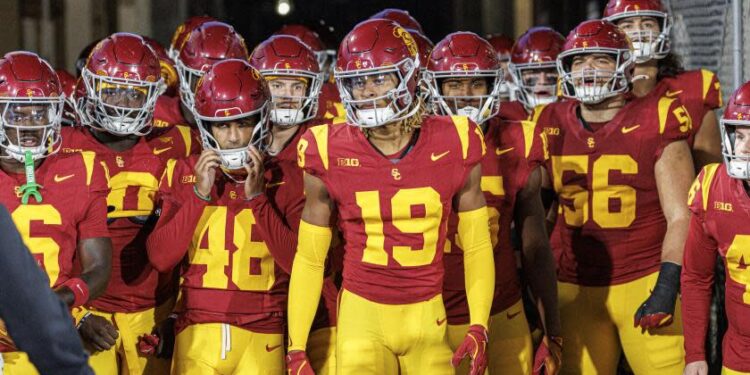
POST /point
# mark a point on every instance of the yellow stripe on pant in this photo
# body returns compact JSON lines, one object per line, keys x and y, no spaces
{"x":509,"y":350}
{"x":726,"y":371}
{"x":597,"y":323}
{"x":375,"y":338}
{"x":218,"y":348}
{"x":123,"y":358}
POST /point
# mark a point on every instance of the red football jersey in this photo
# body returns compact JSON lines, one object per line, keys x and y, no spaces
{"x":698,"y":90}
{"x":719,"y":226}
{"x":229,"y":274}
{"x":329,"y":102}
{"x":611,"y":226}
{"x":172,"y":137}
{"x":52,"y":228}
{"x":513,"y":111}
{"x":133,"y":179}
{"x":393,"y":216}
{"x":513,"y":151}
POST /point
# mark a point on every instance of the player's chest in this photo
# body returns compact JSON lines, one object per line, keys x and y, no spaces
{"x":133,"y":181}
{"x":602,"y":158}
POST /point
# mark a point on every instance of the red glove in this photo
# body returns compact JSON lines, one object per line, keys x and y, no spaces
{"x":147,"y":344}
{"x":548,"y":357}
{"x":474,"y":346}
{"x":298,"y":364}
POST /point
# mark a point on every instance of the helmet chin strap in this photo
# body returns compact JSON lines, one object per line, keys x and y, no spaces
{"x":639,"y":77}
{"x":30,"y":188}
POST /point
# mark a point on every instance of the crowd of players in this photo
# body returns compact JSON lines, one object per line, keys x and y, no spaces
{"x":385,"y":209}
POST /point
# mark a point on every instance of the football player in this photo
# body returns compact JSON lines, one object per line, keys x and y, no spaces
{"x":207,"y":43}
{"x":330,"y":101}
{"x":719,"y":204}
{"x":122,"y":79}
{"x":620,"y":167}
{"x":215,"y":215}
{"x":503,"y":45}
{"x":383,"y":175}
{"x":68,"y":238}
{"x":294,"y":79}
{"x":534,"y":71}
{"x":648,"y":25}
{"x":463,"y":74}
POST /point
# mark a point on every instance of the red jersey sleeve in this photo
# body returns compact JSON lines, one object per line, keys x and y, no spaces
{"x":94,"y":221}
{"x":470,"y":135}
{"x":711,"y":91}
{"x":698,"y":267}
{"x":535,"y":143}
{"x":312,"y":151}
{"x":675,"y":123}
{"x":281,"y":239}
{"x":698,"y":193}
{"x":697,"y":281}
{"x":180,"y":212}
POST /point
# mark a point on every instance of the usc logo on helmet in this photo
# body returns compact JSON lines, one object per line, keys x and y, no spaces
{"x":411,"y":45}
{"x":29,"y":92}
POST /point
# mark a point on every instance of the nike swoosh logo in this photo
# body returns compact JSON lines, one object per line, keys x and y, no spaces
{"x":513,"y":315}
{"x":63,"y":178}
{"x":438,"y":156}
{"x":441,"y":321}
{"x":626,"y":129}
{"x":674,"y":93}
{"x":158,"y":151}
{"x":499,"y":152}
{"x":272,"y":348}
{"x":272,"y":184}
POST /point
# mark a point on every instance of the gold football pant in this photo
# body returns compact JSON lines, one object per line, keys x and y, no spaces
{"x":123,"y":358}
{"x":321,"y":350}
{"x":726,"y":371}
{"x":509,"y":350}
{"x":375,"y":338}
{"x":218,"y":348}
{"x":597,"y":323}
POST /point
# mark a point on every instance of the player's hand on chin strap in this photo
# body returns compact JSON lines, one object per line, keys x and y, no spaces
{"x":475,"y":347}
{"x":205,"y":172}
{"x":548,"y":357}
{"x":696,"y":368}
{"x":658,"y":309}
{"x":297,"y":363}
{"x":255,"y":183}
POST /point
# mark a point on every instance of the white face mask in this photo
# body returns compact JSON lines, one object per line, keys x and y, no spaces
{"x":234,"y":159}
{"x":287,"y":116}
{"x":535,"y":100}
{"x":592,"y":94}
{"x":643,"y":51}
{"x":470,"y":112}
{"x":375,"y":116}
{"x":739,"y":169}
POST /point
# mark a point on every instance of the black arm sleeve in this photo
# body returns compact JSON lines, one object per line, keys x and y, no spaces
{"x":37,"y":320}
